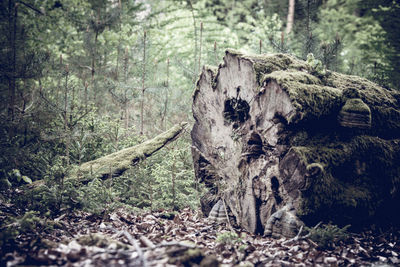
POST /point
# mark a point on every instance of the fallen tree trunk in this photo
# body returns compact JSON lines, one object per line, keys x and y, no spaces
{"x":283,"y":143}
{"x":115,"y":164}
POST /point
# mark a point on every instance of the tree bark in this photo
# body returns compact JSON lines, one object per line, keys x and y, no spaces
{"x":65,"y":114}
{"x":290,"y":17}
{"x":12,"y":23}
{"x":195,"y":70}
{"x":283,"y":144}
{"x":126,"y":100}
{"x":165,"y":109}
{"x":143,"y":84}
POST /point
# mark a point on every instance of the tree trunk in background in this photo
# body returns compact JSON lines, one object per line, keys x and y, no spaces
{"x":126,"y":100}
{"x":290,"y":17}
{"x":12,"y":23}
{"x":283,"y":144}
{"x":201,"y":43}
{"x":65,"y":114}
{"x":93,"y":66}
{"x":143,"y":84}
{"x":165,"y":109}
{"x":195,"y":70}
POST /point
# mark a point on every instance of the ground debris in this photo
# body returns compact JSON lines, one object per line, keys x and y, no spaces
{"x":124,"y":238}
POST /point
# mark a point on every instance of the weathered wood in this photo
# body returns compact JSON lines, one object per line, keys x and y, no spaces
{"x":272,"y":135}
{"x":218,"y":213}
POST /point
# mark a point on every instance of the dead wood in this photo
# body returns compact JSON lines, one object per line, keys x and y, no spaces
{"x":283,"y":144}
{"x":115,"y":164}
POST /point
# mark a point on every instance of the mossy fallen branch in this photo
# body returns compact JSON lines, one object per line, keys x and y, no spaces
{"x":117,"y":163}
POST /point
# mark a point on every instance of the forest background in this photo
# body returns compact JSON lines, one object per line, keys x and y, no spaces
{"x":82,"y":79}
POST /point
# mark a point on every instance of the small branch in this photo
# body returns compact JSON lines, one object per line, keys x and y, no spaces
{"x":146,"y":242}
{"x":134,"y":243}
{"x":32,"y":7}
{"x":316,"y":226}
{"x":298,"y":236}
{"x":294,"y":239}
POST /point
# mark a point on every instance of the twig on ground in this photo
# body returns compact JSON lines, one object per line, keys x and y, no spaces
{"x":294,"y":239}
{"x":298,"y":236}
{"x":174,"y":243}
{"x":146,"y":242}
{"x":134,"y":243}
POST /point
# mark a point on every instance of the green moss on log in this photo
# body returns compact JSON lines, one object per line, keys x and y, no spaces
{"x":355,"y":114}
{"x":355,"y":175}
{"x":116,"y":163}
{"x":315,"y":96}
{"x":356,"y":105}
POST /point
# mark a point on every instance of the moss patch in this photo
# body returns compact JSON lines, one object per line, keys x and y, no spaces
{"x":356,"y":105}
{"x":356,"y":174}
{"x":315,"y":96}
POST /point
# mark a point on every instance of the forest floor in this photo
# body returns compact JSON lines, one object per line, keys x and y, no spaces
{"x":123,"y":238}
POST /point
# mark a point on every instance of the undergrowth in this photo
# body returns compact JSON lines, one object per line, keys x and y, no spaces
{"x":327,"y":235}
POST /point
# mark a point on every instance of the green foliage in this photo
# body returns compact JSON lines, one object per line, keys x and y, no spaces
{"x":163,"y":181}
{"x":363,"y":37}
{"x":387,"y":13}
{"x":72,"y":73}
{"x":228,"y":238}
{"x":316,"y":65}
{"x":14,"y":226}
{"x":326,"y":235}
{"x":4,"y":182}
{"x":13,"y":177}
{"x":262,"y":29}
{"x":41,"y":199}
{"x":99,"y":196}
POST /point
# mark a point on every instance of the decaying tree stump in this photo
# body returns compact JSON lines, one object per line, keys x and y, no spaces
{"x":283,"y":144}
